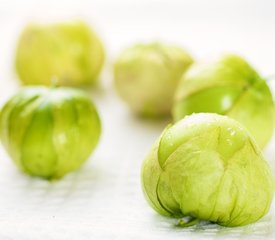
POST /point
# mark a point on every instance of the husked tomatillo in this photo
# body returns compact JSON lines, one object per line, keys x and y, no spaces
{"x":208,"y":167}
{"x":70,"y":52}
{"x":228,"y":86}
{"x":49,"y":132}
{"x":146,"y":76}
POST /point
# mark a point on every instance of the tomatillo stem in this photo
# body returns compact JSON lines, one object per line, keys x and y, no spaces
{"x":187,"y":223}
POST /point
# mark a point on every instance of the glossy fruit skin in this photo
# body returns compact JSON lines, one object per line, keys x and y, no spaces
{"x":70,"y":53}
{"x":208,"y":167}
{"x":228,"y":86}
{"x":49,"y":132}
{"x":146,"y":76}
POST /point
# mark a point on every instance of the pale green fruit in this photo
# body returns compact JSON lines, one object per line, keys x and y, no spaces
{"x":49,"y":132}
{"x":146,"y":76}
{"x":70,"y":53}
{"x":228,"y":86}
{"x":208,"y":167}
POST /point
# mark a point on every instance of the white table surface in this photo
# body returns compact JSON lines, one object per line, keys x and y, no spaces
{"x":103,"y":200}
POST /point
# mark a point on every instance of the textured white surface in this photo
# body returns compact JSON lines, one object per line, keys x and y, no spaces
{"x":103,"y":200}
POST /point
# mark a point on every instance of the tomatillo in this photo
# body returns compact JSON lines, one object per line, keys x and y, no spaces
{"x":70,"y":52}
{"x":49,"y":132}
{"x":146,"y":77}
{"x":208,"y":167}
{"x":228,"y":86}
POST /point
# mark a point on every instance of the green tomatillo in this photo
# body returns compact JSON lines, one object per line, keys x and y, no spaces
{"x":146,"y":76}
{"x":70,"y":52}
{"x":49,"y":132}
{"x":208,"y":167}
{"x":228,"y":86}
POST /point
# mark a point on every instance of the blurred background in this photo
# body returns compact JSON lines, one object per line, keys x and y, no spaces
{"x":205,"y":28}
{"x":104,"y":200}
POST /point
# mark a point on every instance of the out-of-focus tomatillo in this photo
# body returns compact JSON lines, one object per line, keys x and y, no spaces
{"x":208,"y":167}
{"x":228,"y":86}
{"x":70,"y":52}
{"x":49,"y":132}
{"x":146,"y":76}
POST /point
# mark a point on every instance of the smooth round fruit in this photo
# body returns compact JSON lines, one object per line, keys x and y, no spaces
{"x":146,"y":76}
{"x":49,"y":132}
{"x":208,"y":167}
{"x":69,"y":53}
{"x":228,"y":86}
